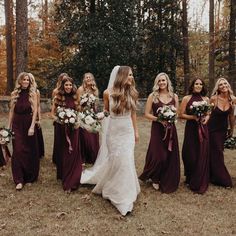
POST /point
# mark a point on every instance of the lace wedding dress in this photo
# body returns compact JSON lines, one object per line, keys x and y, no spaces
{"x":118,"y":181}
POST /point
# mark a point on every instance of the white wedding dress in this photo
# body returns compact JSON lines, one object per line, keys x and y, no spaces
{"x":118,"y":181}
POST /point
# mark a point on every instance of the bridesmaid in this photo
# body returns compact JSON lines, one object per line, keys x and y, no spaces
{"x":69,"y":164}
{"x":38,"y":129}
{"x":4,"y":156}
{"x":223,"y":100}
{"x":89,"y":142}
{"x":195,"y":151}
{"x":22,"y":117}
{"x":162,"y":160}
{"x":57,"y":137}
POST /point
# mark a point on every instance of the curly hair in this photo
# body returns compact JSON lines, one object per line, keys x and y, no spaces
{"x":18,"y":87}
{"x":156,"y":88}
{"x":93,"y":89}
{"x":215,"y":90}
{"x":59,"y":99}
{"x":191,"y":87}
{"x":124,"y":97}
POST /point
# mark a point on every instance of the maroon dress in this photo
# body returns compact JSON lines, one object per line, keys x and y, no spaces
{"x":89,"y":143}
{"x":195,"y":152}
{"x":4,"y":158}
{"x":218,"y":125}
{"x":39,"y":135}
{"x":68,"y":162}
{"x":25,"y":157}
{"x":162,"y":160}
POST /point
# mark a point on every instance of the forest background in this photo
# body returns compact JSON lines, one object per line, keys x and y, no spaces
{"x":48,"y":37}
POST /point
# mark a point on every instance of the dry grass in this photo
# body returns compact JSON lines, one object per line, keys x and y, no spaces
{"x":44,"y":209}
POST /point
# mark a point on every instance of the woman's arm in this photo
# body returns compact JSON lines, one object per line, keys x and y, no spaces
{"x":182,"y":109}
{"x":11,"y":113}
{"x":35,"y":111}
{"x":148,"y":109}
{"x":39,"y":108}
{"x":232,"y":119}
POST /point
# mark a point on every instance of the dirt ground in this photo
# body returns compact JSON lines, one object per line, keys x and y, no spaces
{"x":43,"y":208}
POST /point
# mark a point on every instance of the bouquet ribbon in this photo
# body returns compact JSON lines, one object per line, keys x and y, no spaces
{"x":201,"y":132}
{"x":68,"y":139}
{"x":169,"y":135}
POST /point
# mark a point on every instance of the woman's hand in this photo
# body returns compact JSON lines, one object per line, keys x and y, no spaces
{"x":205,"y":119}
{"x":31,"y":131}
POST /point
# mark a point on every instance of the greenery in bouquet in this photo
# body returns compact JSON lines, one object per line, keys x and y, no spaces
{"x":230,"y":143}
{"x":200,"y":108}
{"x":88,"y":100}
{"x":67,"y":116}
{"x":6,"y":135}
{"x":90,"y":120}
{"x":167,"y":113}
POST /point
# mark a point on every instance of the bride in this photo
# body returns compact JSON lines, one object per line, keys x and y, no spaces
{"x":114,"y":170}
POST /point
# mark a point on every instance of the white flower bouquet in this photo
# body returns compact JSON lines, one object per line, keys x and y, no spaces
{"x":200,"y":108}
{"x":6,"y":135}
{"x":167,"y":113}
{"x":90,"y":120}
{"x":67,"y":116}
{"x":88,"y":100}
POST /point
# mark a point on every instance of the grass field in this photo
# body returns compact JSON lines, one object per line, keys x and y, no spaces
{"x":43,"y":208}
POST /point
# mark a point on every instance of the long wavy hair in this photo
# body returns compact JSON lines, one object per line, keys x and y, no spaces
{"x":59,"y":79}
{"x":124,"y":96}
{"x":191,"y":87}
{"x":93,"y":89}
{"x":59,"y":99}
{"x":156,"y":88}
{"x":215,"y":90}
{"x":18,"y":87}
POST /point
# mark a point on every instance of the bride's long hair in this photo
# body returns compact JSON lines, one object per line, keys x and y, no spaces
{"x":124,"y":96}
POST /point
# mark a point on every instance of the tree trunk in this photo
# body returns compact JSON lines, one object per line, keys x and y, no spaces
{"x":211,"y":46}
{"x":232,"y":46}
{"x":21,"y":36}
{"x":8,"y":4}
{"x":186,"y":46}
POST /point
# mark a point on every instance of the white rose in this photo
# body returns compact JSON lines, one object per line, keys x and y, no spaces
{"x":68,"y":113}
{"x":4,"y":133}
{"x":195,"y":104}
{"x":72,"y":120}
{"x":89,"y":120}
{"x":7,"y":139}
{"x":61,"y":114}
{"x":100,"y":115}
{"x":66,"y":121}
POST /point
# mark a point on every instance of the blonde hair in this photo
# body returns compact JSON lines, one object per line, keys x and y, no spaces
{"x":124,"y":97}
{"x":156,"y":88}
{"x":18,"y":88}
{"x":93,"y":88}
{"x":215,"y":91}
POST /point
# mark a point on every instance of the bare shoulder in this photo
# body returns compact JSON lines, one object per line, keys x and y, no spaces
{"x":176,"y":96}
{"x":186,"y":98}
{"x":106,"y":92}
{"x":213,"y":99}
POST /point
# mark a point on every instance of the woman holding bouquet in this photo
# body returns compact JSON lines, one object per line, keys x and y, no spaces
{"x":223,"y":100}
{"x":69,"y":164}
{"x":162,"y":164}
{"x":89,"y":142}
{"x":195,"y":151}
{"x":57,"y":137}
{"x":22,"y":117}
{"x":118,"y":181}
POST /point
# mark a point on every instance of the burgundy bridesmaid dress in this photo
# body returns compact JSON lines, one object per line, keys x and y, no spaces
{"x":218,"y":125}
{"x":39,"y":134}
{"x":4,"y":157}
{"x":89,"y":145}
{"x":162,"y":164}
{"x":67,"y":152}
{"x":25,"y":157}
{"x":195,"y":152}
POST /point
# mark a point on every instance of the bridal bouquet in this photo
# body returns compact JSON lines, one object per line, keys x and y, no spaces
{"x":200,"y":108}
{"x":167,"y":113}
{"x":230,"y":143}
{"x":90,"y":120}
{"x":67,"y":116}
{"x":6,"y":135}
{"x":88,"y":100}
